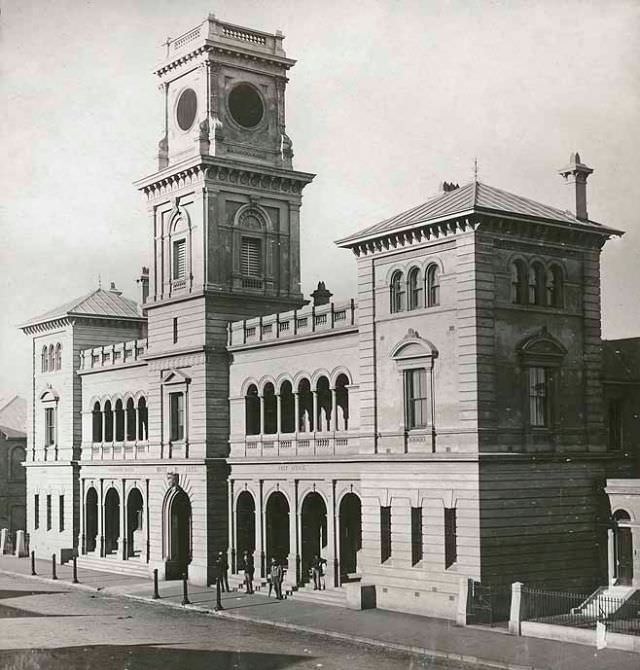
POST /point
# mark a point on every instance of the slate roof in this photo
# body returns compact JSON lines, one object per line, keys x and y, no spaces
{"x":621,"y":360}
{"x":12,"y":433}
{"x":472,"y":198}
{"x":13,"y":412}
{"x":98,"y":303}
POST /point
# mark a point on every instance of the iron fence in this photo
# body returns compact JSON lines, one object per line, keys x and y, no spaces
{"x":581,"y":610}
{"x":489,"y":604}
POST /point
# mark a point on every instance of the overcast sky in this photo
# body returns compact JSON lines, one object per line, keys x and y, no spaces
{"x":387,"y":100}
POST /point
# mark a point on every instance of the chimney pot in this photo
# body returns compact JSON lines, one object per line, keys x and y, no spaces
{"x":322,"y":295}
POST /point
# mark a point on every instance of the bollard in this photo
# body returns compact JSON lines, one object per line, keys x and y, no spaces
{"x":185,"y":594}
{"x":53,"y":567}
{"x":33,"y":563}
{"x":75,"y":571}
{"x":156,"y":595}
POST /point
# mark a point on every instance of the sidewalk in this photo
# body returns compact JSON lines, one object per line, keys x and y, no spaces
{"x":403,"y":632}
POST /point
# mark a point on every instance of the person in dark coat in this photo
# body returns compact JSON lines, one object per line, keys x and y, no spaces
{"x":317,"y":571}
{"x":223,"y":571}
{"x":247,"y":560}
{"x":276,"y":575}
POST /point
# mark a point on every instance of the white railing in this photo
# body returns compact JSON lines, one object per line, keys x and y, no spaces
{"x":296,"y":323}
{"x":114,"y":451}
{"x":295,"y":444}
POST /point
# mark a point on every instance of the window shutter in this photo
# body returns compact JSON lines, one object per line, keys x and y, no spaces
{"x":179,"y":259}
{"x":251,"y":257}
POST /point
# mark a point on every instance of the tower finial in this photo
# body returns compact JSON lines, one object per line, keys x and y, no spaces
{"x":475,"y":169}
{"x":99,"y":280}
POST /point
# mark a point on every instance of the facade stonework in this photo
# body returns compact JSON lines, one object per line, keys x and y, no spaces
{"x":447,"y":424}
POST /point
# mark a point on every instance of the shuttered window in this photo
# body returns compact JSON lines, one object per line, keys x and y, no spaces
{"x":179,"y":259}
{"x":251,"y":257}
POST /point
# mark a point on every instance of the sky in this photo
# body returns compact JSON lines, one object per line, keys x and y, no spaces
{"x":387,"y":100}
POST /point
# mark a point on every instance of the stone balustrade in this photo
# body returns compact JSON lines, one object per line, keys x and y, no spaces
{"x":294,"y":444}
{"x":310,"y":320}
{"x":111,"y":355}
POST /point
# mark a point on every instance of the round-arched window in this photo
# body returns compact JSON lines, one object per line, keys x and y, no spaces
{"x":245,"y":105}
{"x":186,"y":109}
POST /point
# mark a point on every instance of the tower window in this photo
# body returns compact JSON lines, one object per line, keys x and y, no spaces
{"x":415,"y":289}
{"x":251,"y":257}
{"x":415,"y":398}
{"x":36,"y":511}
{"x":537,"y":284}
{"x":175,"y":329}
{"x":539,"y":396}
{"x":49,"y":426}
{"x":179,"y":259}
{"x":555,"y":296}
{"x":518,"y":283}
{"x":48,"y":512}
{"x":176,"y":406}
{"x":61,"y":513}
{"x":385,"y":533}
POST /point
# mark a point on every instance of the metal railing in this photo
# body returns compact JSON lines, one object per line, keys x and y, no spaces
{"x":579,"y":610}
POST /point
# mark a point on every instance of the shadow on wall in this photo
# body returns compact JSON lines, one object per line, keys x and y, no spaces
{"x":143,"y":657}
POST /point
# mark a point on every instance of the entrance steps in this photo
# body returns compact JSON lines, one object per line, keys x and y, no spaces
{"x":605,"y":601}
{"x":133,"y":566}
{"x":330,"y":596}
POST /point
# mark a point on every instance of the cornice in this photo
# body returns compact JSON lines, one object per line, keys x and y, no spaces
{"x":205,"y":169}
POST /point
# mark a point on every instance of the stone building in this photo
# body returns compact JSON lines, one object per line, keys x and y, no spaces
{"x":13,"y":442}
{"x":446,"y":424}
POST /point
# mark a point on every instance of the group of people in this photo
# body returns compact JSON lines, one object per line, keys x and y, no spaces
{"x":275,"y":574}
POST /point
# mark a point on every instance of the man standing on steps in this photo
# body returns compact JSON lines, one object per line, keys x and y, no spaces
{"x":223,"y":571}
{"x":247,"y":559}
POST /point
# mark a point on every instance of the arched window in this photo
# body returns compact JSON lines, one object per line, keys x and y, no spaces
{"x":555,"y":288}
{"x":131,"y":420}
{"x":58,"y":356}
{"x":96,"y":417}
{"x":287,"y":408}
{"x":537,"y":284}
{"x":270,"y":409}
{"x":119,"y":421}
{"x":45,"y":360}
{"x":252,"y":411}
{"x":305,"y":406}
{"x":341,"y":421}
{"x":433,"y":285}
{"x":52,"y":365}
{"x":16,"y":469}
{"x":143,"y":434}
{"x":397,"y":292}
{"x":108,"y":422}
{"x":324,"y":419}
{"x":415,"y":287}
{"x":518,"y":283}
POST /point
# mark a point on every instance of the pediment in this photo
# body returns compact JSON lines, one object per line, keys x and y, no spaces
{"x":174,"y":376}
{"x":414,"y":346}
{"x":543,"y":345}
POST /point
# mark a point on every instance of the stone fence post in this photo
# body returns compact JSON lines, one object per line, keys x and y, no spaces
{"x":464,"y":593}
{"x":516,"y":608}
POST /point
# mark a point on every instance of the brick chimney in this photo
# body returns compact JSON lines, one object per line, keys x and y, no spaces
{"x":322,"y":295}
{"x":143,"y":286}
{"x":575,"y":176}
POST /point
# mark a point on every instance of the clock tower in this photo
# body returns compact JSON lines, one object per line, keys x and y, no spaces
{"x":224,"y":209}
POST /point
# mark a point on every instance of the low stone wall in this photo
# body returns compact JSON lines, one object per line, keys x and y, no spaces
{"x":579,"y":635}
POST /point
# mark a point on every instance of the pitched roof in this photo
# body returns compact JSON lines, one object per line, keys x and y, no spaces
{"x":99,"y":303}
{"x":621,"y":360}
{"x":472,"y":198}
{"x":13,"y":412}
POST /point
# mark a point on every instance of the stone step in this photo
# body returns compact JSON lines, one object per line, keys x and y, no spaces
{"x":114,"y":565}
{"x":335,"y":597}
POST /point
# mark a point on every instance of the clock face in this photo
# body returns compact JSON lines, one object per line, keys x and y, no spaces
{"x":245,"y":105}
{"x":186,"y":109}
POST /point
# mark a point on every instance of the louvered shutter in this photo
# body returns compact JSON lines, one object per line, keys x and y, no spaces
{"x":179,"y":259}
{"x":251,"y":257}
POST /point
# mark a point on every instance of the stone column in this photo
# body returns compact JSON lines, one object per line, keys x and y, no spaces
{"x":83,"y":522}
{"x":296,"y":405}
{"x":331,"y":557}
{"x":314,"y":426}
{"x":123,"y":520}
{"x":232,"y":527}
{"x":611,"y":555}
{"x":146,"y":505}
{"x":101,"y":520}
{"x":279,"y":413}
{"x":516,"y":608}
{"x":334,"y":410}
{"x":261,"y":415}
{"x":298,"y":547}
{"x":258,"y":554}
{"x":292,"y":558}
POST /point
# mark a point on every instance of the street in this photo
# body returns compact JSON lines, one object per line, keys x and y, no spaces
{"x":92,"y":630}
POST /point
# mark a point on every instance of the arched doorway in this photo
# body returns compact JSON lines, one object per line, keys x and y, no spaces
{"x":135,"y":538}
{"x":350,"y":534}
{"x":245,"y":525}
{"x":314,"y":531}
{"x":623,"y":548}
{"x":277,"y":514}
{"x":91,"y":519}
{"x":111,"y":521}
{"x":179,"y":535}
